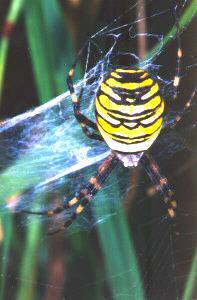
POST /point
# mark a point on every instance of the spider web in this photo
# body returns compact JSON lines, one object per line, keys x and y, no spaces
{"x":44,"y":154}
{"x":50,"y":136}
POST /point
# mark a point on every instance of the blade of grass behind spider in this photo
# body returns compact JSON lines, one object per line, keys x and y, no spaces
{"x":14,"y":11}
{"x":55,"y":47}
{"x":29,"y":263}
{"x":191,"y":281}
{"x":44,"y":23}
{"x":51,"y":47}
{"x":187,"y":16}
{"x":13,"y":14}
{"x":5,"y":244}
{"x":123,"y":275}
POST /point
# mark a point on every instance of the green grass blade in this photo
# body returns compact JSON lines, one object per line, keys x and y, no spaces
{"x":185,"y":19}
{"x":3,"y":57}
{"x":191,"y":283}
{"x":51,"y":46}
{"x":15,"y":10}
{"x":122,"y":270}
{"x":30,"y":258}
{"x":13,"y":14}
{"x":5,"y":244}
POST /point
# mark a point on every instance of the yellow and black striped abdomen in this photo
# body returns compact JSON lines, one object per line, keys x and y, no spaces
{"x":129,"y":110}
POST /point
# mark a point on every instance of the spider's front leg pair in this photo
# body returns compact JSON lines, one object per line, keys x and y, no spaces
{"x":161,"y":184}
{"x":84,"y":122}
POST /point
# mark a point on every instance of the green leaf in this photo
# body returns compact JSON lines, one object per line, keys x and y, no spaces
{"x":50,"y":46}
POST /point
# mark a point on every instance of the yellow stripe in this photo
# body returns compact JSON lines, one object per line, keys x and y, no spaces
{"x":144,"y":75}
{"x":130,"y":133}
{"x":135,"y":138}
{"x":107,"y":90}
{"x":129,"y":71}
{"x":131,"y":117}
{"x":153,"y":90}
{"x":103,"y":112}
{"x":130,"y":148}
{"x":130,"y":85}
{"x":114,"y":74}
{"x":158,"y":113}
{"x":129,"y":109}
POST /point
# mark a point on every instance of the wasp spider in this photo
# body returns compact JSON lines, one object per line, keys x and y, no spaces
{"x":129,"y":111}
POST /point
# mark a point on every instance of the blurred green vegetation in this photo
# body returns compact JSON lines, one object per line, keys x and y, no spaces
{"x":107,"y":256}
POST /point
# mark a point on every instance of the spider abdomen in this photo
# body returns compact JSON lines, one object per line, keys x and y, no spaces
{"x":129,"y":110}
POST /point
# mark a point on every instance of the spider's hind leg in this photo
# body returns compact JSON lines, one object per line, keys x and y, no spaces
{"x":84,"y":195}
{"x":161,"y":184}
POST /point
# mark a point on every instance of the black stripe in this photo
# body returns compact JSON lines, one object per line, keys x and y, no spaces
{"x":144,"y":125}
{"x":114,"y":125}
{"x":136,"y":142}
{"x":133,"y":120}
{"x":140,"y":89}
{"x":147,"y":116}
{"x":127,"y":138}
{"x":129,"y":115}
{"x":123,"y":94}
{"x":130,"y":143}
{"x":138,"y":122}
{"x":128,"y":77}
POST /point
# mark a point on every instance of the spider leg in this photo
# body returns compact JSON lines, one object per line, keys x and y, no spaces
{"x":82,"y":120}
{"x":180,"y":114}
{"x":177,"y":76}
{"x":160,"y":183}
{"x":85,"y":194}
{"x":185,"y":108}
{"x":94,"y":184}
